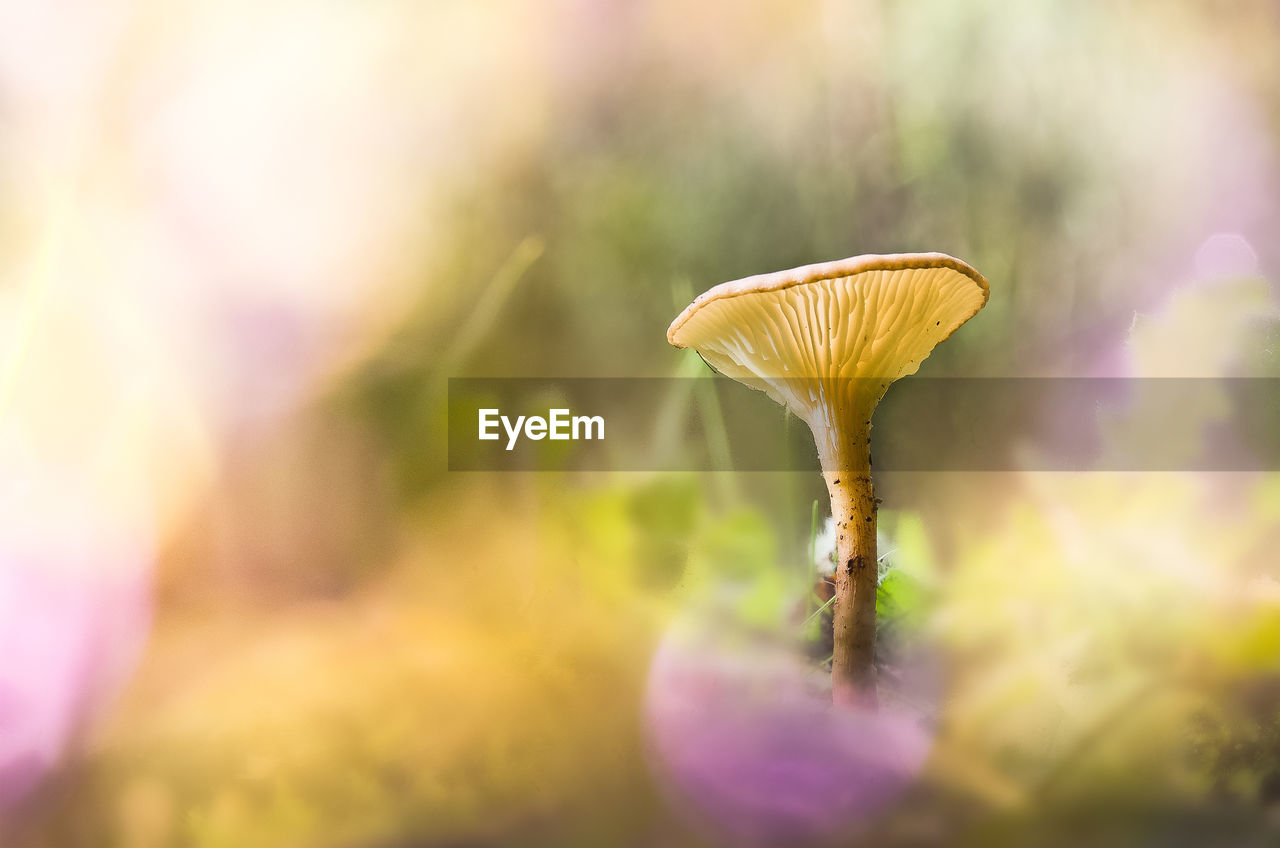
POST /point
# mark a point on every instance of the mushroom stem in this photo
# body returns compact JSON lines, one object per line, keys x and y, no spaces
{"x":853,"y":507}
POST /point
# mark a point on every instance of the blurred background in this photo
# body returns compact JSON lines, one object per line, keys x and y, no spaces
{"x":243,"y":245}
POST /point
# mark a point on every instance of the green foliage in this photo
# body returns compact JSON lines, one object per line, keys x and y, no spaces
{"x":738,"y":546}
{"x":669,"y":510}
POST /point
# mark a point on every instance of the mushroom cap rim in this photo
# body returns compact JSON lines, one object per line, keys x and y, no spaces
{"x":835,"y":269}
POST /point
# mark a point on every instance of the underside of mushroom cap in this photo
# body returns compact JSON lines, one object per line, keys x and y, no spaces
{"x":826,"y":340}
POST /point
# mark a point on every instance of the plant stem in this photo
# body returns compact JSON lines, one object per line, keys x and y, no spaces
{"x":853,"y":506}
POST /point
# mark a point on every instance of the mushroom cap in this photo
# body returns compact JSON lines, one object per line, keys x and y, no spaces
{"x":826,"y":340}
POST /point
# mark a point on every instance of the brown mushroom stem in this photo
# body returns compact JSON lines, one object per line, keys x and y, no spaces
{"x":853,"y":507}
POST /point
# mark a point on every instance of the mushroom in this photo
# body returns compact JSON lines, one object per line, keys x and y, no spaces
{"x":825,"y":341}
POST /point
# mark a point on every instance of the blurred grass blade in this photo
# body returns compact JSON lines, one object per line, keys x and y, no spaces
{"x":489,"y":306}
{"x":813,"y":545}
{"x":717,"y":440}
{"x":668,"y":439}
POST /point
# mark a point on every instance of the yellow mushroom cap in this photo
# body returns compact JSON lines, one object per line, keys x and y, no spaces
{"x":826,"y":340}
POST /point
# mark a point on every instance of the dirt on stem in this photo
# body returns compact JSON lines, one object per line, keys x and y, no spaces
{"x":853,"y":507}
